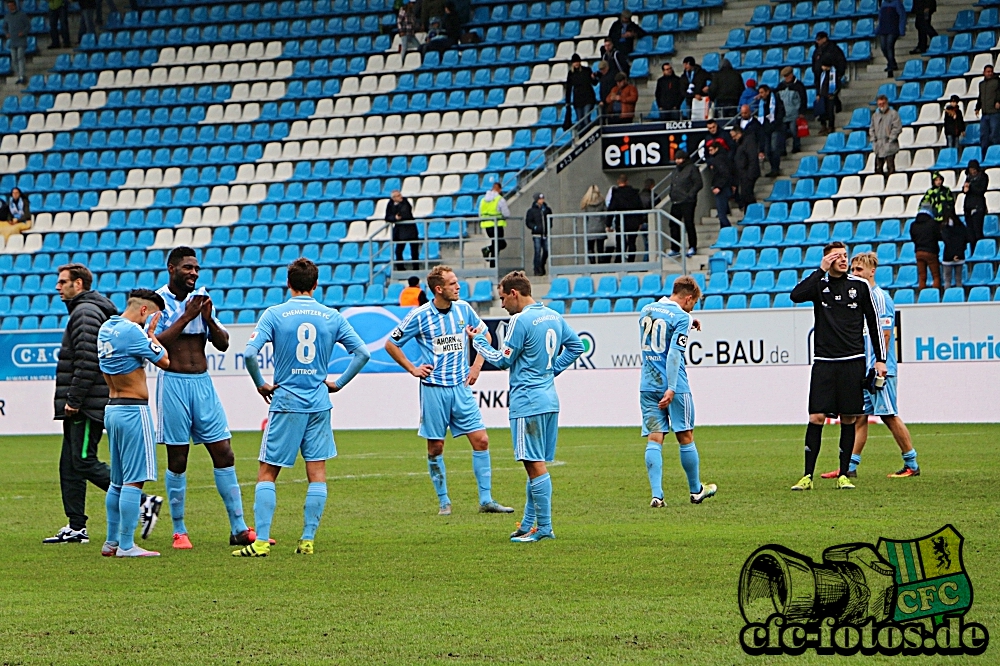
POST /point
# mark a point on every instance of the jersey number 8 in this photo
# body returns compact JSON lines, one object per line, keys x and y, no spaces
{"x":654,"y":335}
{"x":305,"y":351}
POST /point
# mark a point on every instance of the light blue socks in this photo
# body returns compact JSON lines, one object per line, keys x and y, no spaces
{"x":529,"y":509}
{"x":910,"y":459}
{"x":654,"y":468}
{"x":541,"y":493}
{"x":313,"y":510}
{"x":113,"y":511}
{"x":176,"y":490}
{"x":129,"y":500}
{"x":265,"y":500}
{"x":435,"y":465}
{"x":689,"y":461}
{"x":856,"y":460}
{"x":484,"y":475}
{"x":229,"y":489}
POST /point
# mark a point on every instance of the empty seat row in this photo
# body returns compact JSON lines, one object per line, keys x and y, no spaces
{"x":798,"y":33}
{"x":609,"y":286}
{"x":806,"y":11}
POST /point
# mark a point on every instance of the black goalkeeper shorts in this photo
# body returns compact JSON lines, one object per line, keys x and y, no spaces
{"x":837,"y":387}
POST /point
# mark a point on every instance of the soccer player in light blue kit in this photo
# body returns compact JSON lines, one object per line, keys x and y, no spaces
{"x":881,"y":403}
{"x":539,"y":345}
{"x":303,"y":333}
{"x":446,"y":399}
{"x":187,"y":406}
{"x":122,"y":350}
{"x":664,"y":393}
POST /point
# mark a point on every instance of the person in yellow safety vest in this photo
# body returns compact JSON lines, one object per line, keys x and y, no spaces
{"x":493,"y":214}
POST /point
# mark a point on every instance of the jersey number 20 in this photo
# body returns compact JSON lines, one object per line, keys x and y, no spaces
{"x":305,"y":351}
{"x":654,"y":335}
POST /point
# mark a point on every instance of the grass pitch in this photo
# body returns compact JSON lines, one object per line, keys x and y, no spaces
{"x":391,"y":582}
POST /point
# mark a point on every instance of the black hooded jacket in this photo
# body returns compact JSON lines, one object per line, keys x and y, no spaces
{"x":79,"y":381}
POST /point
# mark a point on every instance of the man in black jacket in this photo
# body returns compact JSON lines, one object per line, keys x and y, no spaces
{"x":80,"y":399}
{"x":580,"y":83}
{"x":925,"y":232}
{"x":399,"y":213}
{"x":824,"y":48}
{"x":725,"y":90}
{"x":720,"y":165}
{"x":694,"y":81}
{"x":923,"y":10}
{"x":617,"y":60}
{"x":605,"y":82}
{"x":771,"y":115}
{"x":669,"y":94}
{"x":625,"y":197}
{"x":685,"y":183}
{"x":842,"y":306}
{"x":746,"y":165}
{"x":976,"y":184}
{"x":536,"y":219}
{"x":624,"y":32}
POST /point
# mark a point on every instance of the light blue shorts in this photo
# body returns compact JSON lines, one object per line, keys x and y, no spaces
{"x":288,"y":433}
{"x":678,"y":416}
{"x":443,"y":407}
{"x":535,"y":437}
{"x":882,"y":403}
{"x":188,"y":409}
{"x":130,"y":437}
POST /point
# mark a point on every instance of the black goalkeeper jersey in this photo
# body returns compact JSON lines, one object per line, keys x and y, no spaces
{"x":842,"y":306}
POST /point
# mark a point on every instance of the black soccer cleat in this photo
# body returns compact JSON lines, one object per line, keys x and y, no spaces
{"x":68,"y":535}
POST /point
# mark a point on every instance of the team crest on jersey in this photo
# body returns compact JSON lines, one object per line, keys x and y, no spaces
{"x":852,"y":292}
{"x":253,"y":336}
{"x":506,"y":351}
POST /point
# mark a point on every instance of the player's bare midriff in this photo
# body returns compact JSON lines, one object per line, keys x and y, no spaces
{"x":132,"y":385}
{"x":187,"y":354}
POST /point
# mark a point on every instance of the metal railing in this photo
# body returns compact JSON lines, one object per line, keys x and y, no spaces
{"x":574,"y":249}
{"x":382,"y":250}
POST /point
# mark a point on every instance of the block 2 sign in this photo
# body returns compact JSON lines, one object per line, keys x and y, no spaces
{"x":648,"y":145}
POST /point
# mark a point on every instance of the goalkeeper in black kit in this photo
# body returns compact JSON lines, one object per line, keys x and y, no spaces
{"x":843,"y":306}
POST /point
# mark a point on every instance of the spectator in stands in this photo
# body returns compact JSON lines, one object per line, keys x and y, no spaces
{"x":430,"y":9}
{"x":954,"y":122}
{"x":976,"y":184}
{"x":883,"y":133}
{"x":749,"y":94}
{"x":17,"y":27}
{"x":18,"y":217}
{"x":406,"y":24}
{"x":669,"y":94}
{"x":605,"y":82}
{"x":793,"y":94}
{"x":493,"y":214}
{"x":580,"y":83}
{"x":925,"y":232}
{"x":825,"y":49}
{"x":891,"y":26}
{"x":923,"y":10}
{"x":939,"y":197}
{"x":751,"y":126}
{"x":437,"y":38}
{"x":537,"y":219}
{"x":747,"y":166}
{"x":620,"y":102}
{"x":956,"y":240}
{"x":717,"y":134}
{"x":694,"y":81}
{"x":618,"y":62}
{"x":988,"y":108}
{"x":88,"y":18}
{"x":411,"y":296}
{"x":827,"y":95}
{"x":720,"y":164}
{"x":399,"y":213}
{"x":453,"y":24}
{"x":58,"y":24}
{"x":726,"y":90}
{"x":624,"y":197}
{"x":624,"y":32}
{"x":771,"y":114}
{"x":597,"y":227}
{"x":685,"y":183}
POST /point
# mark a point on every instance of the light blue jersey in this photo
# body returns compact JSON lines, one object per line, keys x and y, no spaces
{"x":442,"y":340}
{"x":663,"y":327}
{"x":303,"y":333}
{"x":122,"y":347}
{"x":175,"y":309}
{"x":539,"y":345}
{"x":885,"y":310}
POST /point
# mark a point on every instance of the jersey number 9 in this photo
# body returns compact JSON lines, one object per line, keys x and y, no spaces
{"x":654,"y":335}
{"x":305,"y":351}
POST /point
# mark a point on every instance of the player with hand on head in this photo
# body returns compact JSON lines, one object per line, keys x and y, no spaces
{"x":303,"y":333}
{"x":664,"y":392}
{"x":539,"y":345}
{"x":122,"y":350}
{"x":187,"y":406}
{"x":880,"y":402}
{"x":446,"y":399}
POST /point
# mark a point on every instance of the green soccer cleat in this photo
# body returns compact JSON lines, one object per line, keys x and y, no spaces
{"x":707,"y":490}
{"x":494,"y":507}
{"x":805,"y":483}
{"x":533,"y":536}
{"x":843,"y":483}
{"x":305,"y":547}
{"x":256,"y":549}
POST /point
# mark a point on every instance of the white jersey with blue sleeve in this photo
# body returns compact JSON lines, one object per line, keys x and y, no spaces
{"x":123,"y":347}
{"x":175,"y":309}
{"x":663,"y":327}
{"x":442,"y":340}
{"x":539,"y":345}
{"x":303,"y":333}
{"x":885,"y":311}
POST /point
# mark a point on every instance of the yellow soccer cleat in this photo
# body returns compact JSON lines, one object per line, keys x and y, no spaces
{"x":305,"y":547}
{"x":843,"y":483}
{"x":805,"y":483}
{"x":256,"y":549}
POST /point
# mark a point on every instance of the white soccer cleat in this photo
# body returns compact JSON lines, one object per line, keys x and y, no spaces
{"x":707,"y":490}
{"x":656,"y":503}
{"x":136,"y":551}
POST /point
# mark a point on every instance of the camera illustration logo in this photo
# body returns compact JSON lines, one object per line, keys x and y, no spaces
{"x":897,"y":597}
